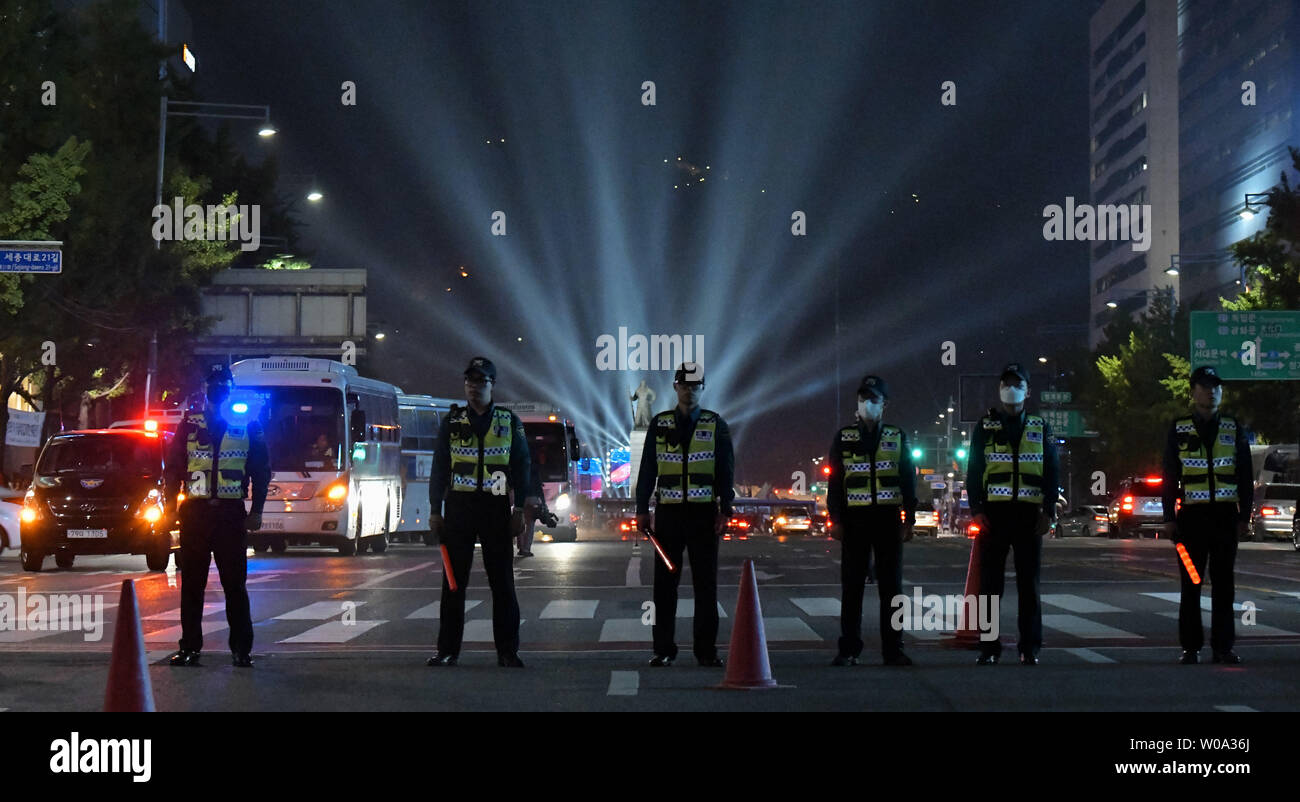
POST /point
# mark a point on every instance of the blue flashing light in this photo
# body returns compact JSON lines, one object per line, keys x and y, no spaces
{"x":239,"y":408}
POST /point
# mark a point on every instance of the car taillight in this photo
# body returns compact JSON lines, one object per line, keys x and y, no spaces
{"x":1126,"y":504}
{"x":623,"y":527}
{"x":1100,"y":518}
{"x":1268,"y":511}
{"x":973,"y":529}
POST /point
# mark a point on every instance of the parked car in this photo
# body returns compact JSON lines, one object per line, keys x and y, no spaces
{"x":99,"y":491}
{"x":822,"y":523}
{"x":11,"y":502}
{"x":792,"y":519}
{"x":1273,"y":511}
{"x":1138,"y":507}
{"x":1086,"y":520}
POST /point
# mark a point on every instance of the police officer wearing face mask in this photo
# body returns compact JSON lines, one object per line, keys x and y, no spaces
{"x":1011,"y":480}
{"x":871,"y":499}
{"x":693,"y":466}
{"x":214,"y":456}
{"x":1207,"y":466}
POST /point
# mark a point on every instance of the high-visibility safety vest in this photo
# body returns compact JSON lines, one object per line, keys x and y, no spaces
{"x":871,"y":478}
{"x":475,"y":459}
{"x":685,"y":474}
{"x":1013,"y":471}
{"x":231,"y":459}
{"x":1211,"y":477}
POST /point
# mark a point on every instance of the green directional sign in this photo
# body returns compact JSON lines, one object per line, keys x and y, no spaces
{"x":1064,"y":422}
{"x":1055,"y":397}
{"x":1248,"y":345}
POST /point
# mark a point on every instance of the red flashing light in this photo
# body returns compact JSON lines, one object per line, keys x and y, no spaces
{"x":1155,"y":480}
{"x":826,"y":470}
{"x":151,"y":426}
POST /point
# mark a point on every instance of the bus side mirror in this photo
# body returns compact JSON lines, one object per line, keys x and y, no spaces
{"x":573,"y":448}
{"x":358,"y":426}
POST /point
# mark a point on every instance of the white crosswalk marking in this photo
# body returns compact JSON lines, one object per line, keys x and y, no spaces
{"x":686,"y":609}
{"x":1242,"y":629}
{"x":570,"y":608}
{"x":480,"y":630}
{"x":819,"y":607}
{"x":1084,"y":628}
{"x":787,"y":629}
{"x":633,"y":579}
{"x":333,"y":632}
{"x":623,"y":683}
{"x":1235,"y":709}
{"x":625,"y":630}
{"x":433,"y":610}
{"x":174,"y":633}
{"x":1078,"y":604}
{"x":175,"y":615}
{"x":1088,"y":655}
{"x":1206,"y":601}
{"x":316,"y":611}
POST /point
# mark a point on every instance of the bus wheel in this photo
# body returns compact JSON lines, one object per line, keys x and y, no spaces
{"x":279,"y":545}
{"x":347,"y":548}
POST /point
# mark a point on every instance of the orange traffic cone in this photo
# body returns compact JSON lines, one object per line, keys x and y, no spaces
{"x":129,"y":690}
{"x":747,"y":663}
{"x":969,"y":634}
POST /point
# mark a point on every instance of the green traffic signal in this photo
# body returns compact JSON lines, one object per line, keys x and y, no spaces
{"x":961,"y":453}
{"x":916,"y":453}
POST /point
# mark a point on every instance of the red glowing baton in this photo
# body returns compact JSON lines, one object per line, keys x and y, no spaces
{"x":672,"y":569}
{"x":1187,"y":563}
{"x":446,"y":568}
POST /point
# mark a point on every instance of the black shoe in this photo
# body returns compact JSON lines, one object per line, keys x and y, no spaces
{"x":441,"y":660}
{"x":509,"y":661}
{"x":661,"y":661}
{"x":987,"y":659}
{"x":524,"y":554}
{"x":1189,"y":658}
{"x":899,"y":659}
{"x":1229,"y":657}
{"x":241,"y":660}
{"x":710,"y":662}
{"x":844,"y":660}
{"x":184,"y":657}
{"x":1027,"y":659}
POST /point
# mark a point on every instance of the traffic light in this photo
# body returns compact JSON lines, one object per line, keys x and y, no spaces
{"x":916,"y":453}
{"x":826,"y":470}
{"x":961,"y":453}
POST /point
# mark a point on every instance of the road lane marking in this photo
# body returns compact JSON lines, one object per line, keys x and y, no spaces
{"x":1242,"y":629}
{"x":480,"y":630}
{"x":316,"y":611}
{"x":686,"y":609}
{"x":434,"y":610}
{"x":333,"y":632}
{"x":1206,"y":601}
{"x":787,"y":629}
{"x":634,"y":572}
{"x":387,"y":575}
{"x":1090,"y":656}
{"x":175,"y":615}
{"x":1083,"y":628}
{"x":570,"y":608}
{"x":818,"y":607}
{"x":174,"y":633}
{"x":1078,"y":604}
{"x":1235,"y":709}
{"x":624,"y":630}
{"x":623,"y":683}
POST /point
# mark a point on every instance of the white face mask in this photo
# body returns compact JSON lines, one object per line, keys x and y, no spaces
{"x":870,"y":410}
{"x":1012,"y":395}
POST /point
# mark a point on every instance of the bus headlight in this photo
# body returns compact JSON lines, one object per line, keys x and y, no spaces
{"x":562,"y":502}
{"x":337,"y":492}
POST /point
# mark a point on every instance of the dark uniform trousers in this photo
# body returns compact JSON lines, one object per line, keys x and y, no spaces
{"x":214,"y":530}
{"x":868,"y":529}
{"x":486,"y":520}
{"x":689,"y":530}
{"x":1011,"y":525}
{"x":1208,"y":531}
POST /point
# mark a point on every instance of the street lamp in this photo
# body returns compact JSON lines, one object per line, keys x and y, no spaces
{"x":1253,"y":201}
{"x":1177,"y":260}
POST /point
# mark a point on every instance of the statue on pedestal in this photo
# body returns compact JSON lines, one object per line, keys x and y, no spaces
{"x":643,"y":396}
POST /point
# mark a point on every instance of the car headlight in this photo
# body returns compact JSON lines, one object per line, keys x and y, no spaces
{"x":30,"y":510}
{"x":562,"y":502}
{"x":151,"y":508}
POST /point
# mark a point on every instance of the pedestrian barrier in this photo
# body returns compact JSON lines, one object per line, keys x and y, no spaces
{"x":748,"y":667}
{"x":129,"y":689}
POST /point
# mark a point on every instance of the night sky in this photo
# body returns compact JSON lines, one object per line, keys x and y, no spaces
{"x":931,"y":215}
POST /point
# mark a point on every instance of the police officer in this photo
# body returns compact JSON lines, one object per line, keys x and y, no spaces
{"x":1011,"y":481}
{"x":482,"y":455}
{"x":871,"y":500}
{"x":214,"y":456}
{"x":692,"y":466}
{"x":1207,"y":467}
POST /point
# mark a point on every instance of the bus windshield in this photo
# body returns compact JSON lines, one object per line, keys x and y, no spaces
{"x":546,"y":449}
{"x":304,"y":427}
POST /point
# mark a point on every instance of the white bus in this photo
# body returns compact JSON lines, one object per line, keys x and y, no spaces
{"x":553,"y":449}
{"x":421,"y":417}
{"x":335,"y":443}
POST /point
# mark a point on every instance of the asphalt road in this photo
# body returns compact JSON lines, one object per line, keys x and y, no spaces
{"x":352,"y":633}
